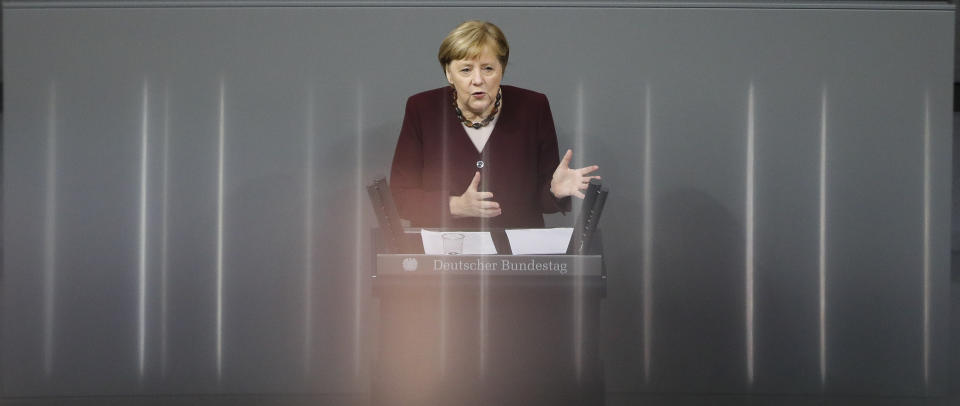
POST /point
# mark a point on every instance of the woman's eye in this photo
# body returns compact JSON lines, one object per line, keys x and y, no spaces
{"x":465,"y":70}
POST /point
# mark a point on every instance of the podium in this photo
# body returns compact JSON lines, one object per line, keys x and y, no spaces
{"x":487,"y":329}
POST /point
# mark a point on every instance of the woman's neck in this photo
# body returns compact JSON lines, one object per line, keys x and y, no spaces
{"x":474,"y":117}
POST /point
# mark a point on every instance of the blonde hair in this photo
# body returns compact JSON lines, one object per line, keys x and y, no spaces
{"x":469,"y":39}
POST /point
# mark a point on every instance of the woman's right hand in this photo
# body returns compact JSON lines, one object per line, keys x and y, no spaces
{"x":473,"y":203}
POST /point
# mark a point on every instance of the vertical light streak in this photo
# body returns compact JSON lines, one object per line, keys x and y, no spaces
{"x":484,"y":294}
{"x":164,"y":231}
{"x":142,"y":264}
{"x":578,"y":286}
{"x":579,"y":143}
{"x":443,"y":326}
{"x":926,"y":239}
{"x":484,"y":322}
{"x":443,"y":321}
{"x":358,"y":242}
{"x":484,"y":309}
{"x":749,"y":271}
{"x":822,"y":265}
{"x":647,"y":239}
{"x":308,"y":237}
{"x":49,"y":234}
{"x":221,"y":132}
{"x":578,"y":303}
{"x":444,"y":314}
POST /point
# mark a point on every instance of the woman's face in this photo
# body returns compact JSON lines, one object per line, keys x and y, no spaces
{"x":476,"y":81}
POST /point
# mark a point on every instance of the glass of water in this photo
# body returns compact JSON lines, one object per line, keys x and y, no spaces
{"x":452,"y":243}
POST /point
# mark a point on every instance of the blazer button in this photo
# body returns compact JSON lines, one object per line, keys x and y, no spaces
{"x":480,"y":164}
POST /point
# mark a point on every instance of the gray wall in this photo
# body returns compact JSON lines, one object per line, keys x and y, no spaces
{"x":184,"y":213}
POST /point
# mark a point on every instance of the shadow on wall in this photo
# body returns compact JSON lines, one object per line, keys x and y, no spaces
{"x":698,"y":338}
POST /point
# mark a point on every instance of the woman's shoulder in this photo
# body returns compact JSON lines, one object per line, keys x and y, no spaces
{"x":521,"y":94}
{"x":442,"y":93}
{"x":430,"y":96}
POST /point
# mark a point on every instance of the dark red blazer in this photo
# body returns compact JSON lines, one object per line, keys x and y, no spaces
{"x":435,"y":159}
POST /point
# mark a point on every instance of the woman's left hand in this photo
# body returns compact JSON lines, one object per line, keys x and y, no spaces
{"x":569,"y":182}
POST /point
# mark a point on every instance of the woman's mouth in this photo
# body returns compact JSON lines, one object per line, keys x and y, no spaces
{"x":478,"y":95}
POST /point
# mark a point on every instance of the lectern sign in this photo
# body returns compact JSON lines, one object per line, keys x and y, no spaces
{"x":514,"y":265}
{"x":458,"y":265}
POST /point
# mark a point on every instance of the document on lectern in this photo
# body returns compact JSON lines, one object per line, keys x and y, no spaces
{"x":473,"y":242}
{"x":539,"y":241}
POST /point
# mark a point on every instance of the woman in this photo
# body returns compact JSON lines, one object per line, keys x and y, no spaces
{"x":478,"y":154}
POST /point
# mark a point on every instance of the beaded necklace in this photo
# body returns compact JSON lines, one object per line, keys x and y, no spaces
{"x":478,"y":124}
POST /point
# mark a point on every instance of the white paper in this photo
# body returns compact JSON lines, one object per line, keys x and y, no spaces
{"x":534,"y":241}
{"x":474,"y":242}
